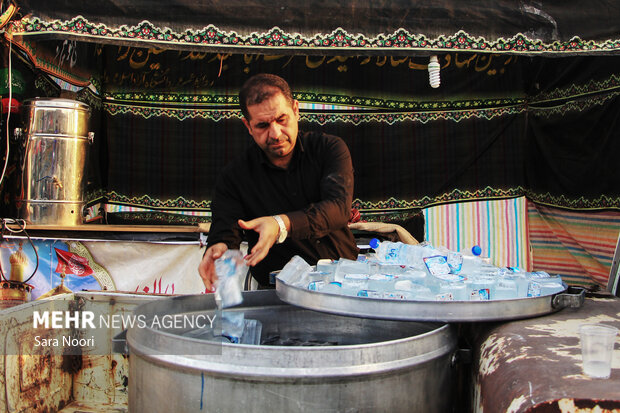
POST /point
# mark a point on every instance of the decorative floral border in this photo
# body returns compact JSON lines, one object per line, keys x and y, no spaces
{"x":593,"y":86}
{"x":388,"y":210}
{"x":214,"y":37}
{"x":393,"y":205}
{"x":578,"y":104}
{"x":390,"y":204}
{"x":179,"y":203}
{"x":354,"y":117}
{"x":350,"y":102}
{"x":581,"y":203}
{"x":456,"y":195}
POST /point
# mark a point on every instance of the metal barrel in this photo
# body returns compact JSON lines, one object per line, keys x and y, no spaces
{"x":53,"y":171}
{"x":362,"y":365}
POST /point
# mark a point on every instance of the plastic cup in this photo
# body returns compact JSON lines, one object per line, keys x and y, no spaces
{"x":597,"y":346}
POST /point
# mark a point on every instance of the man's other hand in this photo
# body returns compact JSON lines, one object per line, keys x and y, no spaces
{"x":268,"y":230}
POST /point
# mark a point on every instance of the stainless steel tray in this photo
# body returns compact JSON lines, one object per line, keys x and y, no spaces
{"x":446,"y":311}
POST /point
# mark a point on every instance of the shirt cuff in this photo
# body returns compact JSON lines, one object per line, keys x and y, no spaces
{"x":300,"y":226}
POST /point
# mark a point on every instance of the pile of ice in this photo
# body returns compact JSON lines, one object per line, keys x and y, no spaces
{"x":421,"y":273}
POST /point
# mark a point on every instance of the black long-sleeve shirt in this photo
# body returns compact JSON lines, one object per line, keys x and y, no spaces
{"x":315,"y":191}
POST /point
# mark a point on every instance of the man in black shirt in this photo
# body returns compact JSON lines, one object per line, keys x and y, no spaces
{"x":290,"y":193}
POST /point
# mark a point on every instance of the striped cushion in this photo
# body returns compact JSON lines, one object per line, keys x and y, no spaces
{"x":577,"y":245}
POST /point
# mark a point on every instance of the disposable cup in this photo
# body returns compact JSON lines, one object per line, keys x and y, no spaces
{"x":597,"y":345}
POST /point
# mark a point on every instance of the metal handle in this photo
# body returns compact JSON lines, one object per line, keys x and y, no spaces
{"x":573,"y":298}
{"x":461,"y":356}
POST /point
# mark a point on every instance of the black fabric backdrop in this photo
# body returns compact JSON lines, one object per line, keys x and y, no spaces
{"x":565,"y":159}
{"x":400,"y":165}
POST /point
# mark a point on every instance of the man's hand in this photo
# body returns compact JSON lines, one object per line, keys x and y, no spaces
{"x":268,"y":230}
{"x":206,"y":268}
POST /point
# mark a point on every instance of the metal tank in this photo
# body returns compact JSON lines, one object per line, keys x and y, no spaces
{"x":55,"y":147}
{"x":335,"y":364}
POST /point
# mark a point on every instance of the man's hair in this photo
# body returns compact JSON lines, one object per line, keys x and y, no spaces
{"x":261,"y":87}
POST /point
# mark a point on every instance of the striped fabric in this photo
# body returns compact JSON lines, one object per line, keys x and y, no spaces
{"x":578,"y":245}
{"x":499,"y":227}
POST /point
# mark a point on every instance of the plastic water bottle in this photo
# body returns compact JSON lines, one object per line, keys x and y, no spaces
{"x":541,"y":283}
{"x":333,"y":288}
{"x":482,"y":288}
{"x":346,"y":268}
{"x":520,"y":279}
{"x":314,"y":281}
{"x":326,"y":266}
{"x":505,"y":289}
{"x":294,"y":271}
{"x":452,"y":291}
{"x":381,"y":282}
{"x":230,"y":269}
{"x":424,"y":293}
{"x":400,"y":253}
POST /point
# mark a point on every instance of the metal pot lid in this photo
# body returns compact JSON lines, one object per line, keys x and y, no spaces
{"x":444,"y":311}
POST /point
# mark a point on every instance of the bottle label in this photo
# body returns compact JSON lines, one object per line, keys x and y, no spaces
{"x":390,"y":295}
{"x":455,"y":262}
{"x":369,"y":294}
{"x":437,"y":265}
{"x":482,"y":294}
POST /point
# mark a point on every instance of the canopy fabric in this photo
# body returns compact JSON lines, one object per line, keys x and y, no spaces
{"x":528,"y":103}
{"x":333,"y":26}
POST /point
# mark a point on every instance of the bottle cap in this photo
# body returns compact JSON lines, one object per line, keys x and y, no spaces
{"x":476,"y":250}
{"x":374,"y":243}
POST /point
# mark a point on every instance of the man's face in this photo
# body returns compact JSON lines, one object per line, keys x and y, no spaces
{"x":273,"y":125}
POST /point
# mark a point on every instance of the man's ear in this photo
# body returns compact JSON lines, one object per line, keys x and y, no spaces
{"x":247,"y":125}
{"x":296,"y":108}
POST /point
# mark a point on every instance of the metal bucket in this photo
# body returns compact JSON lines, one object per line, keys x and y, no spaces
{"x":364,"y":365}
{"x":55,"y":150}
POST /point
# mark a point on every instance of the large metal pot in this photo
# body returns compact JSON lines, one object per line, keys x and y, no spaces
{"x":366,"y":365}
{"x":55,"y":149}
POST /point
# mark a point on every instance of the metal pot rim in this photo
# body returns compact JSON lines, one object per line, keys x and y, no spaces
{"x":56,"y":103}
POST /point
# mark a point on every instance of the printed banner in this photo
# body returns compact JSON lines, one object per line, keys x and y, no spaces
{"x":54,"y":267}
